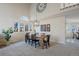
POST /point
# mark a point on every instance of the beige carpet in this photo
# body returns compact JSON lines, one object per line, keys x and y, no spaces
{"x":23,"y":49}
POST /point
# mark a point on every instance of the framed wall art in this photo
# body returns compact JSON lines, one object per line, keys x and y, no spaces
{"x":48,"y":27}
{"x":26,"y":28}
{"x":16,"y":27}
{"x":45,"y":27}
{"x":21,"y":27}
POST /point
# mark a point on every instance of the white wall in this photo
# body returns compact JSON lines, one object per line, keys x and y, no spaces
{"x":11,"y":13}
{"x":51,"y":9}
{"x":57,"y":28}
{"x":57,"y":23}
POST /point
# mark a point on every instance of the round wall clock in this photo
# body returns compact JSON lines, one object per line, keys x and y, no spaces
{"x":41,"y":7}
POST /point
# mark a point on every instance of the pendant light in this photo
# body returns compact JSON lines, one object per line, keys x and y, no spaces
{"x":36,"y":23}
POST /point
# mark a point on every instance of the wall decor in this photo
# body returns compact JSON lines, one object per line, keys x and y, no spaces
{"x":48,"y":27}
{"x":26,"y":27}
{"x":41,"y":7}
{"x":42,"y":27}
{"x":16,"y":27}
{"x":45,"y":27}
{"x":30,"y":27}
{"x":21,"y":27}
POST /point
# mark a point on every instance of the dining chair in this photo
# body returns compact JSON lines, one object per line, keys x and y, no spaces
{"x":35,"y":41}
{"x":46,"y":41}
{"x":27,"y":38}
{"x":42,"y":37}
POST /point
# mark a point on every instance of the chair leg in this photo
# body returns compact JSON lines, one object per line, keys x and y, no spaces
{"x":46,"y":45}
{"x":38,"y":43}
{"x":31,"y":43}
{"x":35,"y":44}
{"x":25,"y":40}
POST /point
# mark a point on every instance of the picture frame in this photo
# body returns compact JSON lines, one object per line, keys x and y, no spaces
{"x":45,"y":27}
{"x":48,"y":27}
{"x":26,"y":27}
{"x":16,"y":27}
{"x":21,"y":27}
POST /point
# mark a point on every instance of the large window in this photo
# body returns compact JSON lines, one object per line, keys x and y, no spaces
{"x":72,"y":27}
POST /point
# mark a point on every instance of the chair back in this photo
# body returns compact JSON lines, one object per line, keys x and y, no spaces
{"x":42,"y":36}
{"x":27,"y":36}
{"x":48,"y":38}
{"x":33,"y":36}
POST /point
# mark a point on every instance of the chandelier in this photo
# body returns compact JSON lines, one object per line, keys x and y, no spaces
{"x":36,"y":22}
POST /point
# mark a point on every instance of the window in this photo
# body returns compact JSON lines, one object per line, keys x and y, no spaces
{"x":25,"y":18}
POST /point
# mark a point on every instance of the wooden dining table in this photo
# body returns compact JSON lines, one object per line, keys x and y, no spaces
{"x":41,"y":41}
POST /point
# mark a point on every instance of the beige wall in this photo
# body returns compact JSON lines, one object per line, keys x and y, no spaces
{"x":11,"y":13}
{"x":48,"y":17}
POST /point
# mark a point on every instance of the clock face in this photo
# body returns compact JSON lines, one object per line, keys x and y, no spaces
{"x":41,"y":7}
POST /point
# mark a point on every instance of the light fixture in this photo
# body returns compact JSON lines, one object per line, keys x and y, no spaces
{"x":36,"y":22}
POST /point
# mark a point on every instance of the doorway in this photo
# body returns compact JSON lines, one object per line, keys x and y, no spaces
{"x":72,"y":29}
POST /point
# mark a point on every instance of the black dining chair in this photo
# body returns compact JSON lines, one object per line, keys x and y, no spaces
{"x":35,"y":41}
{"x":27,"y":38}
{"x":47,"y":42}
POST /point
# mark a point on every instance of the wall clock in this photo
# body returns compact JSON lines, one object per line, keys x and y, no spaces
{"x":41,"y":7}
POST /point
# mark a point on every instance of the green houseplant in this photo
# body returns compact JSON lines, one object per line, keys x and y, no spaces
{"x":7,"y":33}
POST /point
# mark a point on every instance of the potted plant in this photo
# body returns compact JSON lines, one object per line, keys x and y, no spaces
{"x":7,"y":33}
